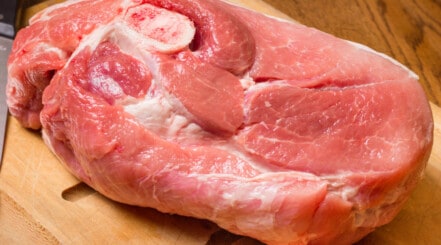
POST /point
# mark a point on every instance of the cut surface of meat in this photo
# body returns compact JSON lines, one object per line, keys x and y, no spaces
{"x":202,"y":108}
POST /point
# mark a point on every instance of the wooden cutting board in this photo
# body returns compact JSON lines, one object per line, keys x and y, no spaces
{"x":41,"y":203}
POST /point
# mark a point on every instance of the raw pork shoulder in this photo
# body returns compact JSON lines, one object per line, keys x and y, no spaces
{"x":201,"y":108}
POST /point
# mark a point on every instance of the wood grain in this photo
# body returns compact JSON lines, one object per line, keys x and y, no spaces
{"x":408,"y":30}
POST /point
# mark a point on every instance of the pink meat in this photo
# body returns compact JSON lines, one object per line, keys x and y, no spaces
{"x":201,"y":108}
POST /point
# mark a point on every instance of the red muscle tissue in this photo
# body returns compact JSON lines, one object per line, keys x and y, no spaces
{"x":201,"y":108}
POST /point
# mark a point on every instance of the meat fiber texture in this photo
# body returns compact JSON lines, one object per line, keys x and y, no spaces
{"x":201,"y":108}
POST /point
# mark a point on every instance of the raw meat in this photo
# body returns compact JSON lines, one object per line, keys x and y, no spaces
{"x":201,"y":108}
